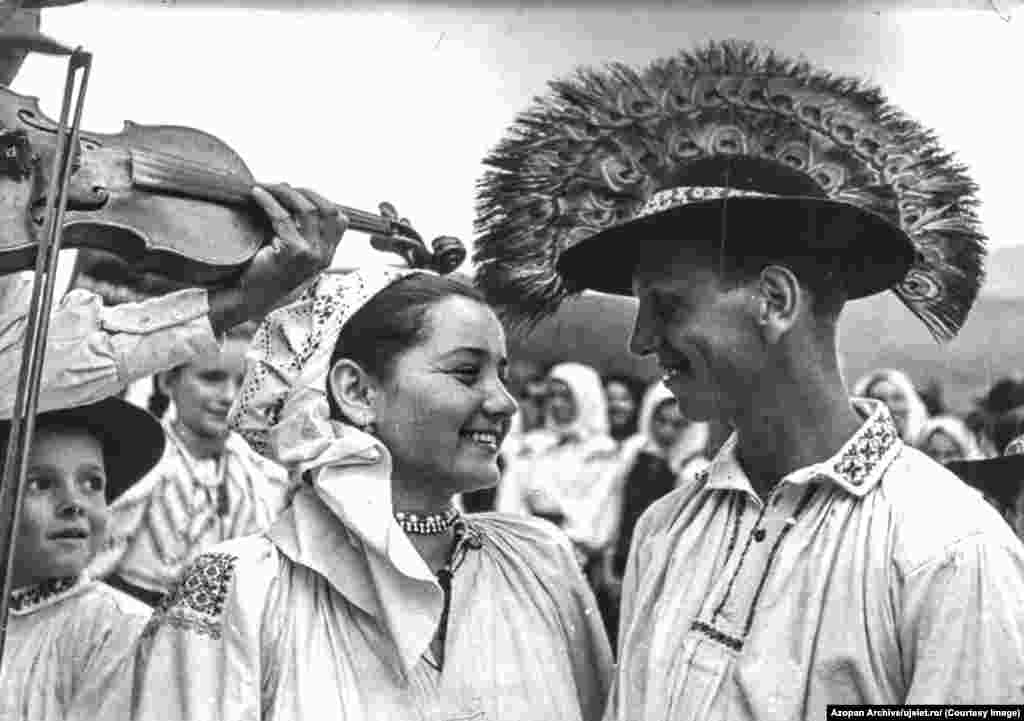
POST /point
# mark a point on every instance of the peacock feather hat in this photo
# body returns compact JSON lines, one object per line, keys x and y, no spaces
{"x":732,"y":145}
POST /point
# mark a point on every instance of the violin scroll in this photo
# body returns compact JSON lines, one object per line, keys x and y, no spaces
{"x":449,"y":252}
{"x":445,"y":254}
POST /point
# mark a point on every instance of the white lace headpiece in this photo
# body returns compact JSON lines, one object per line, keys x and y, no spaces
{"x":283,"y":400}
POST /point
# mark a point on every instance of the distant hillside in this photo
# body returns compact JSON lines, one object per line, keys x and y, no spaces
{"x":876,"y":332}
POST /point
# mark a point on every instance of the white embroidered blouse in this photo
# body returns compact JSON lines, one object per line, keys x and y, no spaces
{"x":297,"y":624}
{"x":68,"y":652}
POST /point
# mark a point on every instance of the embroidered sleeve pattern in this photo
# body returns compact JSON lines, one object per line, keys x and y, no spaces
{"x":196,"y":603}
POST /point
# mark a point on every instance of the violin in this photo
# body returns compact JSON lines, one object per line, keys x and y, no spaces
{"x":167,"y":199}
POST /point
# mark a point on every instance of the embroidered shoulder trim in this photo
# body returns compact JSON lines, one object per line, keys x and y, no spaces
{"x":197,"y":600}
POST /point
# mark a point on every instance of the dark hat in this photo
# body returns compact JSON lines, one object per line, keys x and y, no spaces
{"x":1000,"y":478}
{"x":1004,"y":396}
{"x":133,"y":440}
{"x":738,"y":148}
{"x":747,"y":208}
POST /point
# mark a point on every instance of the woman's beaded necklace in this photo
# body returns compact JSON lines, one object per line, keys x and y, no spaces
{"x":427,"y":524}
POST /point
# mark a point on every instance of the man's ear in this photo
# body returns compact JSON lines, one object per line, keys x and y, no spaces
{"x":782,"y":300}
{"x":353,"y":390}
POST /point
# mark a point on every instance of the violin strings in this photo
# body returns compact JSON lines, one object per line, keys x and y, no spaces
{"x":229,"y":187}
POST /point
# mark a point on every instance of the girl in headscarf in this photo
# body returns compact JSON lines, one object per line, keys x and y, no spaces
{"x":895,"y":389}
{"x":565,"y":482}
{"x":371,"y":597}
{"x":622,"y":394}
{"x":667,"y":451}
{"x":947,"y":438}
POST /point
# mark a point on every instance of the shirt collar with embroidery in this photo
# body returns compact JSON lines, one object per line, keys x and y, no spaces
{"x":30,"y":599}
{"x":856,"y":468}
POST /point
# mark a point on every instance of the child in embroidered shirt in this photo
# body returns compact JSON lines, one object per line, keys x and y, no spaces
{"x":209,"y":486}
{"x":67,"y":633}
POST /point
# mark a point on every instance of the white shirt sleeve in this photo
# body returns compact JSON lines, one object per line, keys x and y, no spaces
{"x":94,"y":351}
{"x":962,"y":636}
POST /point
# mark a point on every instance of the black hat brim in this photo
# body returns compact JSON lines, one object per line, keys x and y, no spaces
{"x":133,"y":440}
{"x":1002,"y":478}
{"x":871,"y":253}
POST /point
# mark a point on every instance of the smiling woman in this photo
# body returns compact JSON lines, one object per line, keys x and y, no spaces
{"x":382,"y":391}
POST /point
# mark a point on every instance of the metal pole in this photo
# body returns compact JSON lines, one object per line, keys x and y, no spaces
{"x":27,"y":397}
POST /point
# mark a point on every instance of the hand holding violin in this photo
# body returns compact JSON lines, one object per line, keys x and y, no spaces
{"x":307,"y":230}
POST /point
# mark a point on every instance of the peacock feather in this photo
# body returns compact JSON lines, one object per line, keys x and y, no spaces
{"x":585,"y":156}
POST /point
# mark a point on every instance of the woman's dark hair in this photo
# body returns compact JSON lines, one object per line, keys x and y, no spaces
{"x":392,"y":322}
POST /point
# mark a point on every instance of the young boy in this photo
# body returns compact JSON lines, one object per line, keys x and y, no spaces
{"x":66,"y":632}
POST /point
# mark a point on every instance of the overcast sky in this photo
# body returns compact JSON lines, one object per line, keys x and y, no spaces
{"x":402,"y":103}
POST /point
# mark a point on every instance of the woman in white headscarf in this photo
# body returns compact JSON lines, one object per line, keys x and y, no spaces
{"x":565,"y":481}
{"x":946,"y":439}
{"x":895,"y":389}
{"x":666,"y":452}
{"x":371,"y":597}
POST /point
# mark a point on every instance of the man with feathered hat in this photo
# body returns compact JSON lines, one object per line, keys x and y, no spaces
{"x":744,"y":198}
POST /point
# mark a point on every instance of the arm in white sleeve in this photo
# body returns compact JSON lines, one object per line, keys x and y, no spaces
{"x":962,"y":636}
{"x":95,"y":351}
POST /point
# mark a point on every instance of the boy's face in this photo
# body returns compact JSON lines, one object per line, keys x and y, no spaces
{"x":64,"y":512}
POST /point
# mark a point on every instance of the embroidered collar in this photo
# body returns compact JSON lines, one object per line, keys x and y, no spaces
{"x":29,"y":599}
{"x":856,"y":468}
